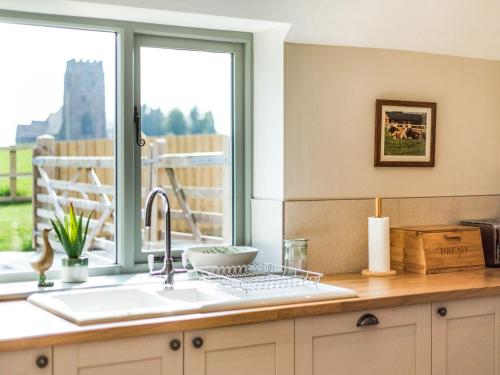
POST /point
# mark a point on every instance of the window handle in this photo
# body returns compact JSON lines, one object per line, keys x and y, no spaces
{"x":137,"y":121}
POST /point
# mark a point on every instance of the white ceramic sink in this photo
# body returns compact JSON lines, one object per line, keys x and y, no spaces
{"x":97,"y":305}
{"x":146,"y":301}
{"x":191,"y":295}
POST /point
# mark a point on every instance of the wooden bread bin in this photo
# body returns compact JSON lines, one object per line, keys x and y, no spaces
{"x":435,"y":249}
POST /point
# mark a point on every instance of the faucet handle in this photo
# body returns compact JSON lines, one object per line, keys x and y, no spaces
{"x":167,"y":271}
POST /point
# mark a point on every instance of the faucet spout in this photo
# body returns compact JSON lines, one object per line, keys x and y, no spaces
{"x":168,"y":266}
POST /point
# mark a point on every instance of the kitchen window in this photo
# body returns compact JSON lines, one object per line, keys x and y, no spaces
{"x":69,"y":88}
{"x":58,"y":102}
{"x":186,"y":91}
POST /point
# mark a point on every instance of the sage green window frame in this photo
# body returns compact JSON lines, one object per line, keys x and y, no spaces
{"x":127,"y":153}
{"x":237,"y":134}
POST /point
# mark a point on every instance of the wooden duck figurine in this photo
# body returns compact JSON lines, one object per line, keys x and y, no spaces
{"x":44,"y":262}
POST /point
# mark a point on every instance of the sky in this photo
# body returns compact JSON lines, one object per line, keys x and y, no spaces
{"x":33,"y":61}
{"x":179,"y":78}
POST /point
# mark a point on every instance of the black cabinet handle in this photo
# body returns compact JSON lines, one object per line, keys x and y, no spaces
{"x":442,"y":311}
{"x":42,"y":361}
{"x":175,"y":345}
{"x":197,"y":342}
{"x":367,"y":320}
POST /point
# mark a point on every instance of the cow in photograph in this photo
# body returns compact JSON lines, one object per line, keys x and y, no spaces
{"x":397,"y":132}
{"x":418,"y":134}
{"x":405,"y":125}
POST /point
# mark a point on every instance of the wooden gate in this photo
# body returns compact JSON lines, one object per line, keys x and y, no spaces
{"x":86,"y":180}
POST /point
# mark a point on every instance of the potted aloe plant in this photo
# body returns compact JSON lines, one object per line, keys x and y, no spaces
{"x":72,"y":235}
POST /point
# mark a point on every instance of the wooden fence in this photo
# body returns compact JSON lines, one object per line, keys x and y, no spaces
{"x":195,"y":170}
{"x":13,"y":174}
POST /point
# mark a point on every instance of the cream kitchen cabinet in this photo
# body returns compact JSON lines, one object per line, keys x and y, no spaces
{"x":456,"y":337}
{"x":27,"y":362}
{"x":381,"y":342}
{"x":465,"y":337}
{"x":252,"y":349}
{"x":149,"y":355}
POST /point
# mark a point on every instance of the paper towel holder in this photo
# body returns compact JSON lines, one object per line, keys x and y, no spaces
{"x":378,"y":207}
{"x":367,"y":272}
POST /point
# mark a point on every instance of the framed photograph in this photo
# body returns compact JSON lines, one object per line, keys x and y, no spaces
{"x":405,"y":133}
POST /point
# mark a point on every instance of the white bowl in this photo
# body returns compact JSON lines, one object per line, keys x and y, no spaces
{"x":198,"y":256}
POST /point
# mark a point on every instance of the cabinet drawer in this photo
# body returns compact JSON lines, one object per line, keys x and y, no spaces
{"x":466,"y":337}
{"x":383,"y":341}
{"x":250,"y":349}
{"x":151,"y":355}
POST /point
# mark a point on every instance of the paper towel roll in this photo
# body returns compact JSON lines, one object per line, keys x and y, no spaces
{"x":379,"y":249}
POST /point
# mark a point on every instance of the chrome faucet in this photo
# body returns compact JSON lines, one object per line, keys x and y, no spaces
{"x":168,"y":265}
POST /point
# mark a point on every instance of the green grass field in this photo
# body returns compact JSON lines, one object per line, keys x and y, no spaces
{"x":24,"y":187}
{"x":407,"y":147}
{"x":16,"y":226}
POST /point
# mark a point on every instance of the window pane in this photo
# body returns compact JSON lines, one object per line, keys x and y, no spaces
{"x":57,"y":147}
{"x":187,"y":119}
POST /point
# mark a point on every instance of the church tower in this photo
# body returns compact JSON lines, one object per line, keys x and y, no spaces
{"x":84,"y":114}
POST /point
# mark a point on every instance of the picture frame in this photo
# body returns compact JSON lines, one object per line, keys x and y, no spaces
{"x":405,"y":133}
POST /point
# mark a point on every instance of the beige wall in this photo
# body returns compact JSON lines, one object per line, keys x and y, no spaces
{"x":330,"y":97}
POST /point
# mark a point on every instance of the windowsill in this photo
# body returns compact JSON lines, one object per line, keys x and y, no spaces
{"x":21,"y":290}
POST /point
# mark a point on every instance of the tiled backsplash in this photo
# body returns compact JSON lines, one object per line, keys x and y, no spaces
{"x":337,"y":229}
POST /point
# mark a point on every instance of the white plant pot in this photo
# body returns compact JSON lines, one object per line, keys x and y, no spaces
{"x":74,"y":270}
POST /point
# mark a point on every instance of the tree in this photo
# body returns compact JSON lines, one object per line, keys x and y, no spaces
{"x":208,"y":126}
{"x":152,"y":121}
{"x":194,"y":119}
{"x":176,"y":122}
{"x":200,"y":125}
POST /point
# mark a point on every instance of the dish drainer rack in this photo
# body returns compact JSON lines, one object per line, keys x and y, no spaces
{"x":256,"y":277}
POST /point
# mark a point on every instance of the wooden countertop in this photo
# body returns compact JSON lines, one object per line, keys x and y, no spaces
{"x":23,"y":325}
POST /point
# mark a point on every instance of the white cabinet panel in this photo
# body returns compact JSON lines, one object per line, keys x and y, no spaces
{"x":24,"y":362}
{"x":149,"y":355}
{"x":397,"y":342}
{"x":465,"y":337}
{"x":253,"y":349}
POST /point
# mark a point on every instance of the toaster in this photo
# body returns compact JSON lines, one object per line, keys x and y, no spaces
{"x":490,"y":237}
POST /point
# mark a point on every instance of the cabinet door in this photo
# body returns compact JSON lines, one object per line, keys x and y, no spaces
{"x":149,"y":355}
{"x":252,"y":349}
{"x":389,"y":342}
{"x":465,"y":337}
{"x":27,"y":362}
